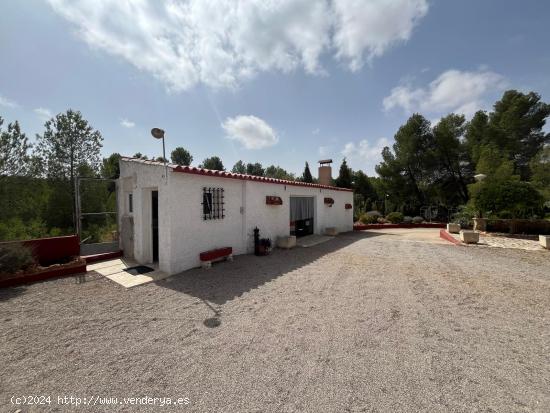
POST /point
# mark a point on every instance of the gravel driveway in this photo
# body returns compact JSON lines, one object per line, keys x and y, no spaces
{"x":367,"y":322}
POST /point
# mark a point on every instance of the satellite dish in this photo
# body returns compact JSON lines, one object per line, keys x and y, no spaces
{"x":157,"y":133}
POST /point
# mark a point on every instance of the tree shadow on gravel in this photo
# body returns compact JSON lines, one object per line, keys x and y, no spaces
{"x":226,"y":281}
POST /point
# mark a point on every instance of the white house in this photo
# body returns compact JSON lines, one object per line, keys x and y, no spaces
{"x":170,"y":215}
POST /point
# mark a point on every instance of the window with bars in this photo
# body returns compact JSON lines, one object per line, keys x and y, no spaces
{"x":212,"y":203}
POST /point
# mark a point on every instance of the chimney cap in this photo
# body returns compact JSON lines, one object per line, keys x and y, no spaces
{"x":325,"y":161}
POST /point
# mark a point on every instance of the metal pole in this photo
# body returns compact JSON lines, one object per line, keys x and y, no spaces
{"x":78,"y":223}
{"x":164,"y":157}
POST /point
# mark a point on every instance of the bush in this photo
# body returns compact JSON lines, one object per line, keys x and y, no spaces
{"x":381,"y":220}
{"x":515,"y":198}
{"x":368,"y":219}
{"x":395,"y":217}
{"x":15,"y":257}
{"x":464,"y":216}
{"x":374,"y":213}
{"x":418,"y":220}
{"x":407,"y":220}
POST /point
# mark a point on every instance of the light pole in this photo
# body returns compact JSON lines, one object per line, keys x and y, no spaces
{"x":159,"y":134}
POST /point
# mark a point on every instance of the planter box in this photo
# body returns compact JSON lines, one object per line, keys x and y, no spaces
{"x":273,"y":200}
{"x":544,"y":240}
{"x":453,"y":228}
{"x":54,"y":271}
{"x":469,"y":237}
{"x":48,"y":251}
{"x":287,"y":242}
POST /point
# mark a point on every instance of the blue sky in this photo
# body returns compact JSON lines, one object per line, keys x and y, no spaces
{"x":280,"y":83}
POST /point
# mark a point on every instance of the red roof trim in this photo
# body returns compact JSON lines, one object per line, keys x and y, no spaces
{"x":193,"y":170}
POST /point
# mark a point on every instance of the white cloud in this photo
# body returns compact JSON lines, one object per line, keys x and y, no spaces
{"x":364,"y":155}
{"x":250,"y":131}
{"x":315,"y":131}
{"x":371,"y":27}
{"x":222,"y":43}
{"x":127,"y":123}
{"x":43,"y":114}
{"x":8,"y":103}
{"x":454,"y":90}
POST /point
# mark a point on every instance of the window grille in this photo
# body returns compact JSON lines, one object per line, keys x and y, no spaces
{"x":130,"y":203}
{"x":212,"y":203}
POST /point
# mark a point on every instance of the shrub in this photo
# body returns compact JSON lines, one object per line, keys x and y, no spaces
{"x":374,"y":213}
{"x":407,"y":220}
{"x":418,"y":220}
{"x":368,"y":219}
{"x":395,"y":217}
{"x":381,"y":220}
{"x":15,"y":257}
{"x":464,"y":216}
{"x":517,"y":199}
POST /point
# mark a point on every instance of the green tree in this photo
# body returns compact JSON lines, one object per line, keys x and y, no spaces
{"x":255,"y":169}
{"x":139,"y":155}
{"x":540,"y":167}
{"x":407,"y":171}
{"x":110,"y":167}
{"x":239,"y":168}
{"x":453,"y":170}
{"x":516,"y":125}
{"x":14,"y":150}
{"x":344,"y":179}
{"x":69,"y":142}
{"x":363,"y":186}
{"x":181,"y":156}
{"x":161,"y":159}
{"x":476,"y":134}
{"x":214,"y":163}
{"x":306,"y":176}
{"x":515,"y":198}
{"x":277,"y":172}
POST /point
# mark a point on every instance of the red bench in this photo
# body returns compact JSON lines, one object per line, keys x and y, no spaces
{"x":208,"y":257}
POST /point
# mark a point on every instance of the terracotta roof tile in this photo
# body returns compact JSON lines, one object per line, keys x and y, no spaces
{"x":224,"y":174}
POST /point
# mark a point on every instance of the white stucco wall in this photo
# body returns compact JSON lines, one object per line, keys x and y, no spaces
{"x":184,"y":234}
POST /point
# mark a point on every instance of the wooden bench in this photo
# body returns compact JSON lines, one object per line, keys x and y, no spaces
{"x":208,"y":257}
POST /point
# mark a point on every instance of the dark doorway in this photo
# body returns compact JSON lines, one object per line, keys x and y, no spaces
{"x":301,"y":215}
{"x":155,"y":224}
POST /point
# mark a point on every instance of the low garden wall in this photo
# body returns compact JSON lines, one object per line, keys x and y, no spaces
{"x":51,"y":250}
{"x":519,"y":226}
{"x":54,"y":257}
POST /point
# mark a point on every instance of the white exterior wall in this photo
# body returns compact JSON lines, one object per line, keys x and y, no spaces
{"x":191,"y":234}
{"x":184,"y":234}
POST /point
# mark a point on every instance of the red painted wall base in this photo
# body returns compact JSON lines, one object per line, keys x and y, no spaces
{"x":45,"y":275}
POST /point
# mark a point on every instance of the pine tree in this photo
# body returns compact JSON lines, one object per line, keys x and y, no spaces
{"x":181,"y":156}
{"x":344,"y":179}
{"x":14,"y":148}
{"x":306,"y":176}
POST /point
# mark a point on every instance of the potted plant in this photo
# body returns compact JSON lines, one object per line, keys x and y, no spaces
{"x":264,"y":246}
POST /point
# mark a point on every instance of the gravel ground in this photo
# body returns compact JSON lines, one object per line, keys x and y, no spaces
{"x":372,"y":321}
